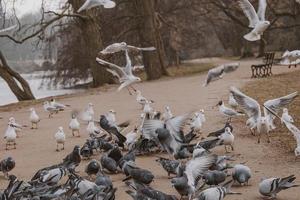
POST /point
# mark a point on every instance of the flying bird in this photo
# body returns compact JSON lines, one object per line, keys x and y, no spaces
{"x":218,"y":72}
{"x":257,"y":20}
{"x":122,"y":46}
{"x":88,"y":4}
{"x":124,"y":74}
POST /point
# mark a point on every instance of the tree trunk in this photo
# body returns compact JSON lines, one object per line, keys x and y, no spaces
{"x":12,"y":79}
{"x":149,"y":35}
{"x":262,"y":47}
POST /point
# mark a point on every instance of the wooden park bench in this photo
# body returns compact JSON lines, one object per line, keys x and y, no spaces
{"x":265,"y":69}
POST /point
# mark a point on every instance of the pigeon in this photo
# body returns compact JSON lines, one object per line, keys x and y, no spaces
{"x":109,"y":164}
{"x":34,"y":118}
{"x":271,"y":186}
{"x":103,"y":180}
{"x":168,"y":113}
{"x":228,"y":112}
{"x":112,"y":129}
{"x":92,"y":168}
{"x":232,"y":102}
{"x":86,"y":151}
{"x":286,"y":117}
{"x":50,"y":109}
{"x":222,"y":163}
{"x":73,"y":159}
{"x":221,"y":131}
{"x":124,"y":74}
{"x":139,"y":175}
{"x":257,"y":20}
{"x":290,"y":58}
{"x":88,"y":4}
{"x":88,"y":114}
{"x":122,"y":46}
{"x":214,"y":177}
{"x":241,"y":174}
{"x":10,"y":136}
{"x":216,"y":193}
{"x":74,"y":125}
{"x":6,"y":165}
{"x":60,"y":138}
{"x":227,"y":139}
{"x":52,"y":176}
{"x":170,"y":166}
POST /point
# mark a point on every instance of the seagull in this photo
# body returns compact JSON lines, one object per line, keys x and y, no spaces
{"x":10,"y":28}
{"x":60,"y":138}
{"x":131,"y":137}
{"x":34,"y":118}
{"x":296,"y":133}
{"x":227,"y":138}
{"x":271,"y":186}
{"x":17,"y":127}
{"x":219,"y":71}
{"x":111,"y":117}
{"x":88,"y":4}
{"x":197,"y":121}
{"x":257,"y":20}
{"x":57,"y":105}
{"x":290,"y":57}
{"x":92,"y":129}
{"x":74,"y":125}
{"x":122,"y":46}
{"x":147,"y":107}
{"x":228,"y":112}
{"x":232,"y":102}
{"x":88,"y":114}
{"x":10,"y":136}
{"x":51,"y":109}
{"x":125,"y":75}
{"x":168,"y":113}
{"x":139,"y":98}
{"x":286,"y":117}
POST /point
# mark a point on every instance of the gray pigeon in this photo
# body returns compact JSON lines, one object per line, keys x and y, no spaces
{"x":221,"y":163}
{"x":92,"y":168}
{"x":271,"y":186}
{"x":109,"y":164}
{"x":6,"y":165}
{"x":214,"y":177}
{"x":171,"y":166}
{"x":241,"y":174}
{"x":139,"y":175}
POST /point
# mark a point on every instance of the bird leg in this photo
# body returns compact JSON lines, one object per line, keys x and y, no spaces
{"x":129,"y":91}
{"x":57,"y":147}
{"x":32,"y":125}
{"x":232,"y":147}
{"x":73,"y":133}
{"x":252,"y":132}
{"x":269,"y":141}
{"x":63,"y":148}
{"x":226,"y":148}
{"x":259,"y":135}
{"x":15,"y":145}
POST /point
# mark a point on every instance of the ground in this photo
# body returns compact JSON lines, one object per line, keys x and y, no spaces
{"x":36,"y":148}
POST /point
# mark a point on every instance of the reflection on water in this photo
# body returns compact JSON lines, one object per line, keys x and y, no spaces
{"x":6,"y":96}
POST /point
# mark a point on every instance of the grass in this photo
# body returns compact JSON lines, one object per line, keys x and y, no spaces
{"x":274,"y":87}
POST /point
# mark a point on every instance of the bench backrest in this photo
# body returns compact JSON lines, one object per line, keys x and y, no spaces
{"x":269,"y":57}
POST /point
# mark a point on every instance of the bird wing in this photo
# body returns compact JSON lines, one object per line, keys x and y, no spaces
{"x":214,"y":73}
{"x":8,"y":28}
{"x":261,"y":12}
{"x":249,"y":105}
{"x":175,"y":126}
{"x":196,"y":168}
{"x":150,"y":126}
{"x":109,"y":4}
{"x":277,"y":104}
{"x":113,"y":48}
{"x":231,"y":67}
{"x":142,"y":48}
{"x":128,"y":67}
{"x":119,"y":72}
{"x":250,"y":12}
{"x":86,"y":5}
{"x":294,"y":130}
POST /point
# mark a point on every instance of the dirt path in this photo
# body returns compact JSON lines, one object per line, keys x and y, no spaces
{"x":36,"y":149}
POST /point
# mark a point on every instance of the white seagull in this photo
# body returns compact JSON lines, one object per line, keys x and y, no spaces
{"x":122,"y":46}
{"x":50,"y":109}
{"x":286,"y":117}
{"x":257,"y":20}
{"x":125,"y":75}
{"x":10,"y":136}
{"x":88,"y":4}
{"x":34,"y":118}
{"x":74,"y":125}
{"x":131,"y":138}
{"x":197,"y":121}
{"x":140,"y":98}
{"x":88,"y":114}
{"x":60,"y":138}
{"x":218,"y":72}
{"x":92,"y":129}
{"x":228,"y":112}
{"x":232,"y":102}
{"x":290,"y":58}
{"x":168,"y":113}
{"x":57,"y":105}
{"x":227,"y":138}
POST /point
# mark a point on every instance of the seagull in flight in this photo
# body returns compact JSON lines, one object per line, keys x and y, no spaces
{"x":218,"y":72}
{"x":257,"y":20}
{"x":124,"y":74}
{"x":88,"y":4}
{"x":122,"y":46}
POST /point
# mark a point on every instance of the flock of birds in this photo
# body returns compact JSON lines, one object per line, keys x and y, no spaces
{"x":195,"y":171}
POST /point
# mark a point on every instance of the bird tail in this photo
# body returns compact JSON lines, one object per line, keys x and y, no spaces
{"x":285,"y":54}
{"x":287,"y":182}
{"x":252,"y":36}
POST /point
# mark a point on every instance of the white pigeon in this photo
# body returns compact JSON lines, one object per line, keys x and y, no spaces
{"x":290,"y":57}
{"x":92,"y":129}
{"x":10,"y":28}
{"x":10,"y":136}
{"x":286,"y":117}
{"x":57,"y":105}
{"x":60,"y":138}
{"x":111,"y":117}
{"x":275,"y":105}
{"x":139,"y":98}
{"x":232,"y":102}
{"x":131,"y":138}
{"x":88,"y":4}
{"x":122,"y":46}
{"x":34,"y":118}
{"x":257,"y":20}
{"x":88,"y":114}
{"x":124,"y":74}
{"x":50,"y":109}
{"x":228,"y":112}
{"x":168,"y":113}
{"x":227,"y":138}
{"x":74,"y":125}
{"x":271,"y":186}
